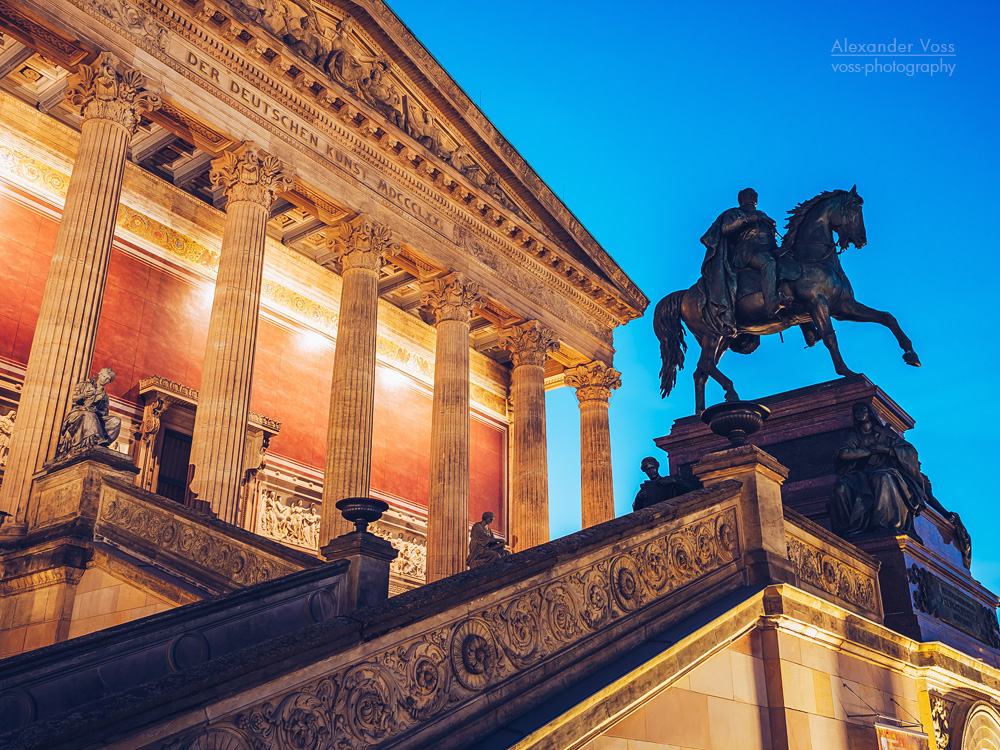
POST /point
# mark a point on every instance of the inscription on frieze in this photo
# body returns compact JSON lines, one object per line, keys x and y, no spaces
{"x":306,"y":134}
{"x":934,"y":597}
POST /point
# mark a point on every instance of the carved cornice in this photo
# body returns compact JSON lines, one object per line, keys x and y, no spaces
{"x":362,"y":242}
{"x":529,"y":343}
{"x":231,"y":44}
{"x":250,"y":174}
{"x":108,"y":90}
{"x":177,"y":393}
{"x":452,"y":297}
{"x":593,"y":381}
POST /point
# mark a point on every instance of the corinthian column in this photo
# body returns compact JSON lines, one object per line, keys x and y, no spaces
{"x":250,"y":178}
{"x":451,"y":300}
{"x":529,"y":344}
{"x":361,"y":247}
{"x":111,"y":99}
{"x":593,"y":383}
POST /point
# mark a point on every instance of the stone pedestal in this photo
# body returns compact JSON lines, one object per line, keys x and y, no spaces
{"x":368,"y":576}
{"x":927,"y":591}
{"x":762,"y":521}
{"x":804,"y":431}
{"x":361,"y":246}
{"x":70,"y":487}
{"x":928,"y":599}
{"x":451,"y":300}
{"x":529,"y":345}
{"x":251,"y":179}
{"x":593,"y":383}
{"x":111,"y":102}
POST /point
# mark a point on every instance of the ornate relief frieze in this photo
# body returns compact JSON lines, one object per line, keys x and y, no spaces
{"x":593,"y":381}
{"x":834,"y":576}
{"x":291,"y":524}
{"x":529,"y":343}
{"x":413,"y":680}
{"x":200,"y":545}
{"x":934,"y":597}
{"x":452,"y":298}
{"x":412,"y":559}
{"x":108,"y":90}
{"x":130,"y":18}
{"x":250,"y":174}
{"x":27,"y":170}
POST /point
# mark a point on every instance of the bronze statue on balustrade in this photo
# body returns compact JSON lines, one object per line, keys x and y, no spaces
{"x":89,"y":423}
{"x":484,"y":547}
{"x":751,"y":287}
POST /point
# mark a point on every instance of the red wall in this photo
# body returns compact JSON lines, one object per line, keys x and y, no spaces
{"x":153,"y":323}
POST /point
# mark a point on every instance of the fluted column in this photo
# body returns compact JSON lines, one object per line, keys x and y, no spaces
{"x":361,"y":246}
{"x":451,"y":300}
{"x":111,"y":99}
{"x":529,"y":345}
{"x":251,"y":178}
{"x":593,"y":383}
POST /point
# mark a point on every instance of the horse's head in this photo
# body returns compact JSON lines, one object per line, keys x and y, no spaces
{"x":847,"y":219}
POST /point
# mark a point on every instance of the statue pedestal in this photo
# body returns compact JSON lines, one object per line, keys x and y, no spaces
{"x":70,"y":487}
{"x":368,"y":576}
{"x":927,"y":592}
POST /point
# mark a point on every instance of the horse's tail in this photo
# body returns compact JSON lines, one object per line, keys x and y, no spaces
{"x":668,"y":329}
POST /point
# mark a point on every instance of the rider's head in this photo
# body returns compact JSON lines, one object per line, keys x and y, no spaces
{"x":747,"y":198}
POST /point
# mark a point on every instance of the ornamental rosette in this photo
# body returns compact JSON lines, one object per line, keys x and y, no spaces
{"x":593,"y":381}
{"x":529,"y":343}
{"x":452,"y":297}
{"x":249,"y":174}
{"x":362,"y":242}
{"x":108,"y":90}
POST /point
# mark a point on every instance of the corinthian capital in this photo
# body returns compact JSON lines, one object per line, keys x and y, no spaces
{"x":362,"y":242}
{"x":593,"y":381}
{"x":108,"y":90}
{"x":452,"y":297}
{"x":529,"y":343}
{"x":249,"y":174}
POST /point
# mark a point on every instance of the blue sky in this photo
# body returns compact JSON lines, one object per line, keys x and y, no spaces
{"x":649,"y":119}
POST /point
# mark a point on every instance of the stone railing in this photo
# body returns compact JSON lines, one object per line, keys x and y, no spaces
{"x":425,"y":668}
{"x":188,"y":544}
{"x":826,"y":564}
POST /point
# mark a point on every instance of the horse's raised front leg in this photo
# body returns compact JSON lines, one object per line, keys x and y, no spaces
{"x":854,"y":311}
{"x":820,"y":312}
{"x":712,"y":348}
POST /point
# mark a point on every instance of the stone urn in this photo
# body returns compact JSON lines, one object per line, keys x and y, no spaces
{"x":735,"y":420}
{"x":362,"y":511}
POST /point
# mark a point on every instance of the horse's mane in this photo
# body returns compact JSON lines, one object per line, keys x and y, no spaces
{"x":798,"y":214}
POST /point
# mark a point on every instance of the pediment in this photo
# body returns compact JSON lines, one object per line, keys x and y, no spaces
{"x":364,"y":58}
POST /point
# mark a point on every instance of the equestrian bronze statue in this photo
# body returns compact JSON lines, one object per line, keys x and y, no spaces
{"x":751,"y":287}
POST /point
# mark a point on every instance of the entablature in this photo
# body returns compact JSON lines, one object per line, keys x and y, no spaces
{"x":451,"y":222}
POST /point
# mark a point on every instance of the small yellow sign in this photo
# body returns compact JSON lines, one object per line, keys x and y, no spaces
{"x":898,"y":738}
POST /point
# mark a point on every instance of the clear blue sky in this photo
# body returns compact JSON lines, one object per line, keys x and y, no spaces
{"x":647,"y":121}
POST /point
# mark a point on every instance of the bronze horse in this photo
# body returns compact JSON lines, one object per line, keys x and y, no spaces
{"x":812,"y":277}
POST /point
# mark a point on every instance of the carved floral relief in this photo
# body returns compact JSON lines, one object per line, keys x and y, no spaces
{"x":415,"y":679}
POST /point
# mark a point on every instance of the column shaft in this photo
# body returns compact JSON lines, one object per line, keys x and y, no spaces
{"x":594,"y":382}
{"x":597,"y":489}
{"x":448,"y":510}
{"x":63,"y":344}
{"x":352,"y":400}
{"x":220,"y":425}
{"x":529,"y":476}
